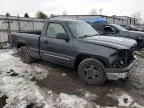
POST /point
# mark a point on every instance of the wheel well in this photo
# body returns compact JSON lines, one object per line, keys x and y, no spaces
{"x":81,"y":57}
{"x":18,"y":45}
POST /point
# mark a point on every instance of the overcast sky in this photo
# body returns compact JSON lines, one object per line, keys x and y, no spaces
{"x":109,"y":7}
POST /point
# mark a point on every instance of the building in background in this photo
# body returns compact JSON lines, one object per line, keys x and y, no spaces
{"x":130,"y":21}
{"x":121,"y":20}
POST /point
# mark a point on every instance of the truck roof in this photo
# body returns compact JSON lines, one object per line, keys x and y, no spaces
{"x":64,"y":20}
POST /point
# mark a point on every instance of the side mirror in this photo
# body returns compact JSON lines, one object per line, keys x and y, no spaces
{"x":62,"y":36}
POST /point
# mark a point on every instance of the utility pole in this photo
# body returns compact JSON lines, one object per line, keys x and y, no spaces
{"x":19,"y":23}
{"x":8,"y":29}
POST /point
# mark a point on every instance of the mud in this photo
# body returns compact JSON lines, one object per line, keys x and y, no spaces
{"x":71,"y":84}
{"x":39,"y":83}
{"x":3,"y":101}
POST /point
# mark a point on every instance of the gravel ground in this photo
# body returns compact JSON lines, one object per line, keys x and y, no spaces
{"x":46,"y":85}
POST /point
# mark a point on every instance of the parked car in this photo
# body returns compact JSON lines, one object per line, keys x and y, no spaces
{"x":119,"y":31}
{"x":133,"y":28}
{"x":76,"y":44}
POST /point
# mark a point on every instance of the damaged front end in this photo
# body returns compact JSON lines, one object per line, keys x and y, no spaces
{"x":122,"y":65}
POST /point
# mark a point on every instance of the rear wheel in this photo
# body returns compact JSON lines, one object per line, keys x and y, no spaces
{"x":91,"y":71}
{"x":25,"y":55}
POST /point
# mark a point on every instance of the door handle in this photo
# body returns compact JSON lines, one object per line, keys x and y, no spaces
{"x":46,"y":42}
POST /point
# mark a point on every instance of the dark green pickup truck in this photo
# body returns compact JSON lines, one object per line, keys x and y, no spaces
{"x":76,"y":44}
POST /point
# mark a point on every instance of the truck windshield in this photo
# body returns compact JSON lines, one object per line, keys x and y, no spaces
{"x":119,"y":27}
{"x":81,"y":29}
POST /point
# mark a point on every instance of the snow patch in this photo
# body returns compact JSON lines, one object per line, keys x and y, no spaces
{"x":20,"y":92}
{"x":90,"y":96}
{"x":63,"y":74}
{"x":136,"y":105}
{"x":72,"y":101}
{"x":125,"y":100}
{"x":10,"y":63}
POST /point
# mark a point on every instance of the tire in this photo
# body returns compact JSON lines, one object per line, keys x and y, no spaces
{"x":92,"y":72}
{"x":25,"y":55}
{"x":125,"y":79}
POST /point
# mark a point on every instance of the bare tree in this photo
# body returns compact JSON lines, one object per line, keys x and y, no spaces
{"x":100,"y":11}
{"x":64,"y":12}
{"x":7,"y":14}
{"x":52,"y":15}
{"x":26,"y":15}
{"x":41,"y":15}
{"x":93,"y":12}
{"x":137,"y":16}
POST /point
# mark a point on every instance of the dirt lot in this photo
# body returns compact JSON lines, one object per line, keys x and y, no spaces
{"x":46,"y":85}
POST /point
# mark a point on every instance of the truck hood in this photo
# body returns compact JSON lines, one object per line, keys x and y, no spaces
{"x":114,"y":42}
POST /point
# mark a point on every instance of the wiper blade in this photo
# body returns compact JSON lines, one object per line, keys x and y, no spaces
{"x":87,"y":36}
{"x":94,"y":34}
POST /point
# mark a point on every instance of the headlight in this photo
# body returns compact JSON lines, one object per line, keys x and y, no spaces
{"x":140,"y":38}
{"x":121,"y":62}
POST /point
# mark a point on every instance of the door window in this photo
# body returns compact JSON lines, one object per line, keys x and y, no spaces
{"x":54,"y":29}
{"x":109,"y":29}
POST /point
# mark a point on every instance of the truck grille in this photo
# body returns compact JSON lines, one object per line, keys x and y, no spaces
{"x":124,"y":59}
{"x":127,"y":56}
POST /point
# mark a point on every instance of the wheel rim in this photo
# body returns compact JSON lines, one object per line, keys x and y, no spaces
{"x":91,"y":72}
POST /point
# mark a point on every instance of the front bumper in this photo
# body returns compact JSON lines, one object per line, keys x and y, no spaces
{"x":115,"y":74}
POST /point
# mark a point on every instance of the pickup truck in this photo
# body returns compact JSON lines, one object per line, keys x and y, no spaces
{"x":119,"y":31}
{"x":76,"y":44}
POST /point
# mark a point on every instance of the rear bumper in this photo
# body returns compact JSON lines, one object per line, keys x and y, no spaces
{"x":115,"y":74}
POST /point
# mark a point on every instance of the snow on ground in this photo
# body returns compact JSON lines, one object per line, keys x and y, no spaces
{"x":18,"y":83}
{"x":9,"y":64}
{"x":22,"y":92}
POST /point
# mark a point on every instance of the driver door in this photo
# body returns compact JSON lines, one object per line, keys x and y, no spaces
{"x":53,"y":49}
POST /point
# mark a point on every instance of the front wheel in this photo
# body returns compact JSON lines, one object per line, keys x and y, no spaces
{"x":91,"y":71}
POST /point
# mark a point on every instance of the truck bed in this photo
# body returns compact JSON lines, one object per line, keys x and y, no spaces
{"x":29,"y":39}
{"x":38,"y":32}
